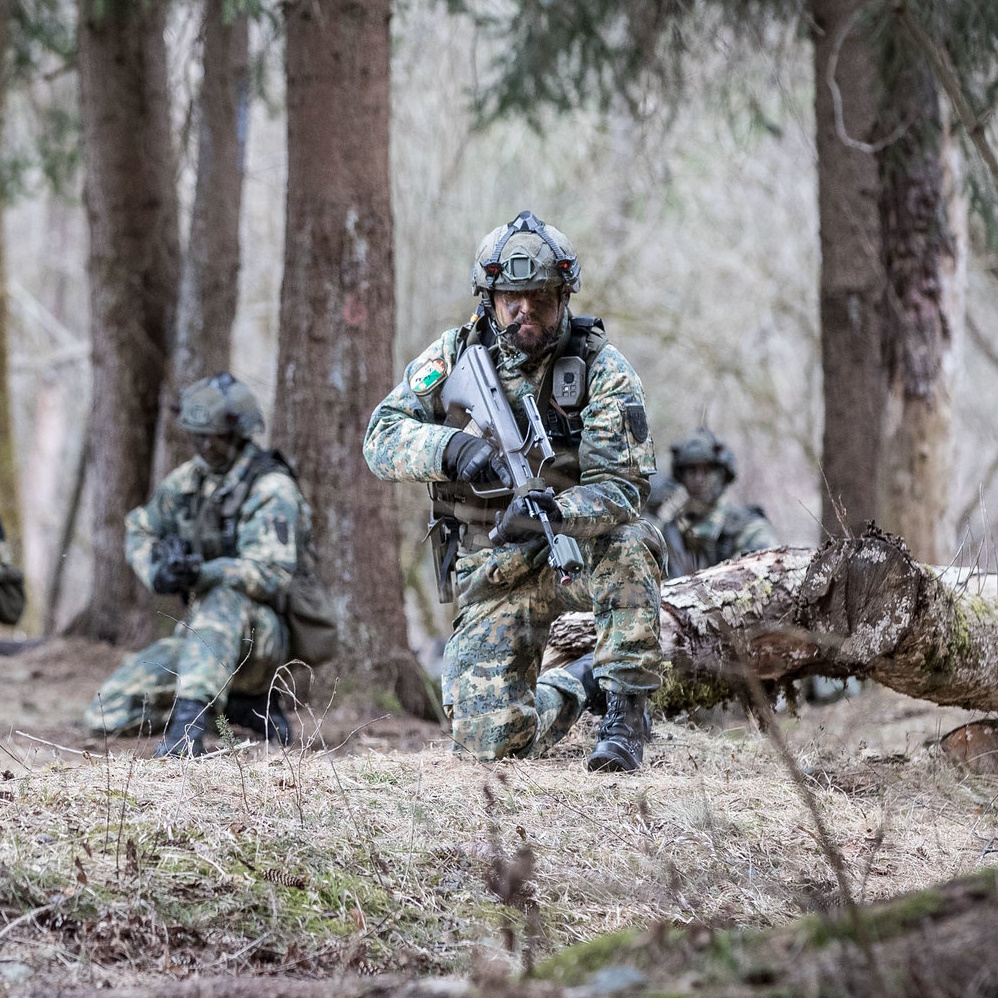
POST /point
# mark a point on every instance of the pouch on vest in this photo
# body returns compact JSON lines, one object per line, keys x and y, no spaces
{"x":309,"y":611}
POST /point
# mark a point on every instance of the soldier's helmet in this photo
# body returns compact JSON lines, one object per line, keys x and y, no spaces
{"x":525,"y":255}
{"x":702,"y":447}
{"x":218,"y":405}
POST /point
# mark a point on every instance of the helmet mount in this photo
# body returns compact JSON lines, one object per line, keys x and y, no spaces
{"x":525,"y":254}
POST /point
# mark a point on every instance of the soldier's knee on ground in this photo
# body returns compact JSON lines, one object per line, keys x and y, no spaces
{"x":494,"y":735}
{"x":121,"y":714}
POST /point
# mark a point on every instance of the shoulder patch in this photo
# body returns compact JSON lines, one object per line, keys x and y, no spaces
{"x":432,"y":372}
{"x":637,"y":420}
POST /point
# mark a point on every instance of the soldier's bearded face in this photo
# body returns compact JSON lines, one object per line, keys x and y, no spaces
{"x":218,"y":451}
{"x":705,"y":483}
{"x":538,"y":314}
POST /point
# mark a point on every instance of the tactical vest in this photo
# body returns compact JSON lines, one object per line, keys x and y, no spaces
{"x":209,"y":526}
{"x":563,"y":394}
{"x":458,"y":516}
{"x":208,"y":523}
{"x":705,"y":549}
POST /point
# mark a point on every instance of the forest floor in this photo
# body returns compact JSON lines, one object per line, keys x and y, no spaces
{"x":371,"y":850}
{"x":47,"y":687}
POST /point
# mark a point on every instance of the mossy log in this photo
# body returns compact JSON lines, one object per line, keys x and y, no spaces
{"x":857,"y":607}
{"x":936,"y":942}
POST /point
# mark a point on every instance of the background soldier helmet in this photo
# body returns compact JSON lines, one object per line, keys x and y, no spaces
{"x":525,"y":255}
{"x":703,"y":447}
{"x":220,"y":404}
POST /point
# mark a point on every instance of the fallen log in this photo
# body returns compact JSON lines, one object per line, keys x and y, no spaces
{"x":856,"y":607}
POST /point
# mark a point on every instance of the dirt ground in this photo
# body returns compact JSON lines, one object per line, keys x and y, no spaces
{"x":47,"y":687}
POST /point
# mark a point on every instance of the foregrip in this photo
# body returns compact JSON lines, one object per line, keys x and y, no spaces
{"x":473,"y":393}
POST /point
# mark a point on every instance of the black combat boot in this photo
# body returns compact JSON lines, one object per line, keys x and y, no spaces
{"x":622,"y":735}
{"x":185,"y":731}
{"x":260,"y":714}
{"x":582,"y":669}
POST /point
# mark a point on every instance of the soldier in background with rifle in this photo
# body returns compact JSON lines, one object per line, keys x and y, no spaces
{"x":223,"y":532}
{"x":700,"y":528}
{"x":531,"y":430}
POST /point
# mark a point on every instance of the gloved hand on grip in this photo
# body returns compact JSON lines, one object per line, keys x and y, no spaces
{"x":175,"y":578}
{"x":468,"y":458}
{"x":177,"y":571}
{"x":516,"y":524}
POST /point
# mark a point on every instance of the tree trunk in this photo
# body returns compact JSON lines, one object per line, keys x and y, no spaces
{"x":10,"y":505}
{"x":131,"y":203}
{"x":209,"y":277}
{"x":851,"y":291}
{"x":920,"y":257}
{"x":337,"y":326}
{"x":856,"y":607}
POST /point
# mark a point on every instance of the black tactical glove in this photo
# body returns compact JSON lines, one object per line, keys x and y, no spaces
{"x":177,"y":570}
{"x":468,"y":458}
{"x":173,"y":578}
{"x":516,"y":524}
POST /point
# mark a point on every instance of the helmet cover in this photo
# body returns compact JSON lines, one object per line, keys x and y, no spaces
{"x":220,"y":404}
{"x":525,"y":255}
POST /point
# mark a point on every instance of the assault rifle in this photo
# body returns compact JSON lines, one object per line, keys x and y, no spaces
{"x":472,"y":392}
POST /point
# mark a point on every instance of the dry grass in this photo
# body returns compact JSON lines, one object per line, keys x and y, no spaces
{"x":120,"y":869}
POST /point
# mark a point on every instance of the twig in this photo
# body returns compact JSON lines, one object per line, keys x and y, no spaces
{"x":372,"y":852}
{"x":412,"y":829}
{"x":61,"y":748}
{"x":761,"y":703}
{"x":360,"y":727}
{"x":840,"y":125}
{"x":16,"y":759}
{"x":28,"y":915}
{"x":245,"y":949}
{"x":121,"y":819}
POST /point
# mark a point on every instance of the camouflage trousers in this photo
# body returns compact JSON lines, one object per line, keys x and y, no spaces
{"x":228,"y":641}
{"x":508,"y":598}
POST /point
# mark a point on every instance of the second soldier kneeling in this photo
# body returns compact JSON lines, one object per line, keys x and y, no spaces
{"x":222,"y":531}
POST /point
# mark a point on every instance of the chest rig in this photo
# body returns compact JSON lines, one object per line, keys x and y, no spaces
{"x":459,"y":518}
{"x":208,"y":522}
{"x":564,"y":391}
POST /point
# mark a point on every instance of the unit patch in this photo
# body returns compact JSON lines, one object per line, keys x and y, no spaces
{"x":637,"y":419}
{"x":423,"y":381}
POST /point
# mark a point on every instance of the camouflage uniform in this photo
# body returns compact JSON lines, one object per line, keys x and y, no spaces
{"x":729,"y":529}
{"x":232,"y":637}
{"x":507,"y":595}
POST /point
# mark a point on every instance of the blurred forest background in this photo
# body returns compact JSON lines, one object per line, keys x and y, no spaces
{"x":695,"y":216}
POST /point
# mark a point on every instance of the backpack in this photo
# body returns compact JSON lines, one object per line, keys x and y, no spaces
{"x":11,"y":594}
{"x":11,"y":586}
{"x":309,"y":611}
{"x":307,"y":606}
